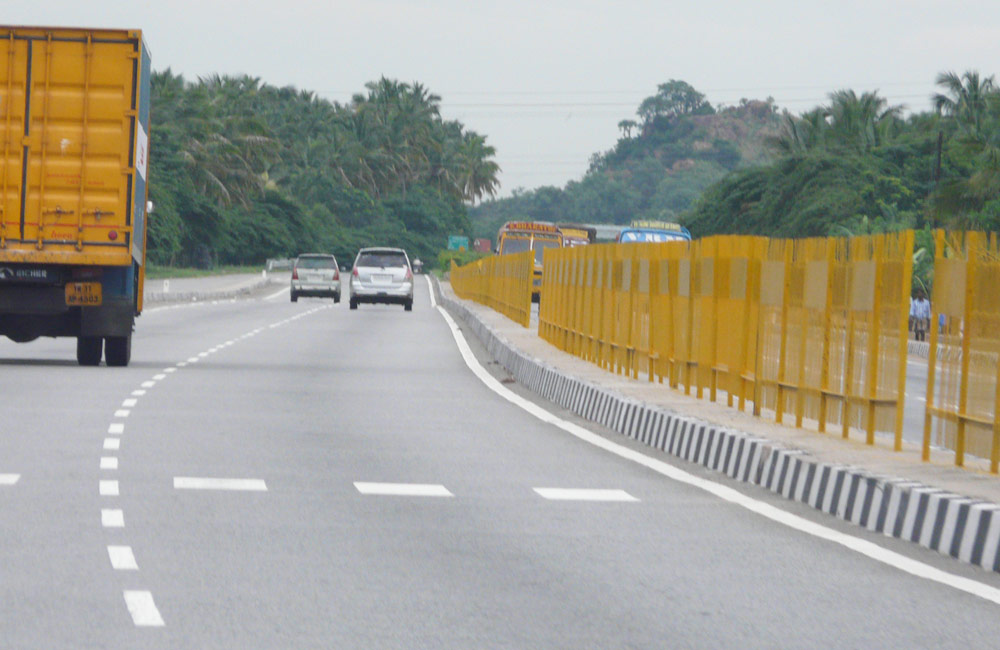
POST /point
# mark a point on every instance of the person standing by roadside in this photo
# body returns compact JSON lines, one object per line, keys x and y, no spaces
{"x":920,"y":313}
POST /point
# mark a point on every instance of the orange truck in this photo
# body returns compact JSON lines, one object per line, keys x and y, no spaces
{"x":74,"y":119}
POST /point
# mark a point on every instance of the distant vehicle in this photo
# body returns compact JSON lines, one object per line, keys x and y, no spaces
{"x":654,"y":231}
{"x":382,"y":275}
{"x":520,"y":236}
{"x":576,"y":234}
{"x":74,"y":204}
{"x":316,"y":274}
{"x":482,"y":245}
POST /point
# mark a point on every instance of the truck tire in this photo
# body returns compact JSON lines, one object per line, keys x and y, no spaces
{"x":89,"y":350}
{"x":118,"y":350}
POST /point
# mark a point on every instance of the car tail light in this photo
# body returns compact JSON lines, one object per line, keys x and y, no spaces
{"x":355,"y":272}
{"x":295,"y":273}
{"x":409,"y":274}
{"x":336,"y":274}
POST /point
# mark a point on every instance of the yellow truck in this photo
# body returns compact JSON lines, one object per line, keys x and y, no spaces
{"x":74,"y":119}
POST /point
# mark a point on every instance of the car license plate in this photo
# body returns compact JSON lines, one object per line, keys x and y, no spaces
{"x":382,"y":279}
{"x":84,"y":294}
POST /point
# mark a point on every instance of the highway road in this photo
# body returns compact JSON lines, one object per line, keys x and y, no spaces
{"x":270,"y":475}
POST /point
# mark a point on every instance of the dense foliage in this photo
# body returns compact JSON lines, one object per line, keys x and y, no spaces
{"x":660,"y":166}
{"x":853,"y":166}
{"x":858,"y":166}
{"x":242,"y":171}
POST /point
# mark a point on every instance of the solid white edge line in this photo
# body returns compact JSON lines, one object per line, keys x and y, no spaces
{"x":278,"y":293}
{"x":858,"y":545}
{"x":9,"y":479}
{"x":142,"y":609}
{"x":243,"y":484}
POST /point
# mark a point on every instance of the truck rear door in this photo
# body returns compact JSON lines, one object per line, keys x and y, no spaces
{"x":71,"y":143}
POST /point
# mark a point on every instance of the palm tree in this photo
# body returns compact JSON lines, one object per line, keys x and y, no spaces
{"x":861,"y":122}
{"x":479,"y":173}
{"x":967,"y":99}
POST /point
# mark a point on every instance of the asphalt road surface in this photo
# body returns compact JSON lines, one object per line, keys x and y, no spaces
{"x":271,"y":475}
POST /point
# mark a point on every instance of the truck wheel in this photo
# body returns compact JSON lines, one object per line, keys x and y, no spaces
{"x":89,"y":349}
{"x":118,"y":350}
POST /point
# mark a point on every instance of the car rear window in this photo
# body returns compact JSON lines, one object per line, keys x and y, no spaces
{"x":381,"y":259}
{"x":316,"y":263}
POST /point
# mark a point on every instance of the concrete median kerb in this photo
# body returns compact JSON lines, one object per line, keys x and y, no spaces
{"x":938,"y":518}
{"x":246,"y":291}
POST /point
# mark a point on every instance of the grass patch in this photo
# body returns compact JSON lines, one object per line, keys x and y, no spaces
{"x":156,"y":272}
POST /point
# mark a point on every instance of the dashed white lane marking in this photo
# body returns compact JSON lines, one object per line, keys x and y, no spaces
{"x":112,"y":518}
{"x":142,"y":608}
{"x":116,"y":428}
{"x":108,"y":488}
{"x":724,"y":492}
{"x":169,"y":370}
{"x":130,"y":402}
{"x":403,"y":489}
{"x":194,"y":483}
{"x":139,"y":392}
{"x":203,"y":354}
{"x":109,"y":462}
{"x":569,"y":494}
{"x":148,"y":384}
{"x":121,"y":413}
{"x":112,"y":443}
{"x":159,"y":377}
{"x":122,"y":558}
{"x":9,"y":479}
{"x":193,"y":360}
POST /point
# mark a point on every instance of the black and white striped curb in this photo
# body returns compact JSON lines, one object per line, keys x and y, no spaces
{"x":962,"y":527}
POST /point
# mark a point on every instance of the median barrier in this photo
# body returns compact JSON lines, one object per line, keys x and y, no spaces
{"x":963,"y":527}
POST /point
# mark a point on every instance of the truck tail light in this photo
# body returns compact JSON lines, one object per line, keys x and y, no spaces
{"x":87,"y":273}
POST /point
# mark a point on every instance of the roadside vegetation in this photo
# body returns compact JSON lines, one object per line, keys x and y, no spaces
{"x":242,"y":171}
{"x":855,"y":165}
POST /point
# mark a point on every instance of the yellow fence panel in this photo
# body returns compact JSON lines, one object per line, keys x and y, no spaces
{"x":502,"y":282}
{"x":811,"y":329}
{"x":963,"y":384}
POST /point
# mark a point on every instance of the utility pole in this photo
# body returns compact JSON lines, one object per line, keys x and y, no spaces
{"x":937,"y":172}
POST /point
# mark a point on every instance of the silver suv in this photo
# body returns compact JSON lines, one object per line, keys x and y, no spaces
{"x":316,"y":275}
{"x":382,"y":275}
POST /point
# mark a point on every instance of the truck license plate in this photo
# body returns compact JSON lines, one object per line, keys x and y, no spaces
{"x":83,"y":294}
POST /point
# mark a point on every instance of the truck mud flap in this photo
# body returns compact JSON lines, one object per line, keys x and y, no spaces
{"x":114,"y":318}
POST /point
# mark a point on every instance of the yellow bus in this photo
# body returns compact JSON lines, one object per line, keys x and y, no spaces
{"x":520,"y":236}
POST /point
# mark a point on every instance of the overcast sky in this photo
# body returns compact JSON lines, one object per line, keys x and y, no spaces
{"x":548,"y":81}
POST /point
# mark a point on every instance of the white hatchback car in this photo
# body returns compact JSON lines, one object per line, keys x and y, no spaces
{"x":316,"y":274}
{"x":382,"y":275}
